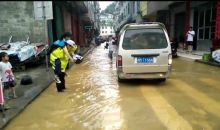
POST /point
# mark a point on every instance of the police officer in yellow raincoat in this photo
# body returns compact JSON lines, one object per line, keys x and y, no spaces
{"x":59,"y":58}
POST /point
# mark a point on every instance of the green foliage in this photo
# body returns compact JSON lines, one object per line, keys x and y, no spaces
{"x":110,"y":9}
{"x":102,"y":12}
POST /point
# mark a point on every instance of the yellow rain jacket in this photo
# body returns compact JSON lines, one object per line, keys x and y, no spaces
{"x":74,"y":48}
{"x":63,"y":55}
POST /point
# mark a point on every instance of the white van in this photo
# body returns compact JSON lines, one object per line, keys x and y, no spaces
{"x":144,"y":52}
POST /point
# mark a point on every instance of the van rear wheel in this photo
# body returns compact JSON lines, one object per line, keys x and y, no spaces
{"x":162,"y":80}
{"x":120,"y":80}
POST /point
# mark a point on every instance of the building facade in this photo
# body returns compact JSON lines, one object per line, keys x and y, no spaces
{"x":18,"y":21}
{"x":107,"y":25}
{"x":68,"y":16}
{"x":126,"y":12}
{"x":177,"y":16}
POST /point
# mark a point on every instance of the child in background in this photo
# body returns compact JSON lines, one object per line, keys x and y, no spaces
{"x":7,"y":75}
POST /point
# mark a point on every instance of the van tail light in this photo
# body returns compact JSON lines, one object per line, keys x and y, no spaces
{"x":119,"y":61}
{"x":169,"y":59}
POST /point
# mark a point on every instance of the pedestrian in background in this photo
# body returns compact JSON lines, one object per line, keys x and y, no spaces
{"x":111,"y":47}
{"x":7,"y":75}
{"x":106,"y":43}
{"x":190,"y":35}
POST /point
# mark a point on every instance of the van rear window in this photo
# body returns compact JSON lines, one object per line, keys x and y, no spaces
{"x":150,"y":38}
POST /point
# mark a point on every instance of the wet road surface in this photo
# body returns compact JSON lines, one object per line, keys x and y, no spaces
{"x":188,"y":100}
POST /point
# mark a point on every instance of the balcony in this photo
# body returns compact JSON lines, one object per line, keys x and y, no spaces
{"x":82,"y":6}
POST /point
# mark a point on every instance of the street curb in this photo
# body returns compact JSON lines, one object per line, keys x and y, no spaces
{"x":27,"y":103}
{"x":89,"y":50}
{"x":186,"y":58}
{"x":208,"y":63}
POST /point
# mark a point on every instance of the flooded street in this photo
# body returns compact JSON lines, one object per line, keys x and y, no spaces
{"x":94,"y":100}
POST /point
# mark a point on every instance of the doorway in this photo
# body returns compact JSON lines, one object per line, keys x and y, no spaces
{"x":179,"y":27}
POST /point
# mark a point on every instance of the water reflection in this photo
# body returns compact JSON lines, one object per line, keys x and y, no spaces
{"x":96,"y":107}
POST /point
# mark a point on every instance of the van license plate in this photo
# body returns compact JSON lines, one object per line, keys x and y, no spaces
{"x":145,"y":60}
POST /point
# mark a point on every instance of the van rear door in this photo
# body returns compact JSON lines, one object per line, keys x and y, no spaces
{"x":145,"y":50}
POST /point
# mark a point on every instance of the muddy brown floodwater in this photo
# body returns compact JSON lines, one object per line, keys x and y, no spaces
{"x":94,"y":100}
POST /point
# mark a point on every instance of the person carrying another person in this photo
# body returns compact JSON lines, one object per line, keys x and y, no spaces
{"x":59,"y":59}
{"x":190,"y":34}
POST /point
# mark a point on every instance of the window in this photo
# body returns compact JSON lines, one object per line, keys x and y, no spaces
{"x":207,"y":17}
{"x":111,"y":31}
{"x":102,"y":27}
{"x":102,"y":31}
{"x":212,"y":32}
{"x":206,"y":28}
{"x":128,"y":8}
{"x":153,"y":38}
{"x":201,"y":19}
{"x":207,"y":32}
{"x":138,"y":5}
{"x":201,"y":33}
{"x":105,"y":27}
{"x":213,"y":14}
{"x":213,"y":17}
{"x":105,"y":31}
{"x":133,"y":6}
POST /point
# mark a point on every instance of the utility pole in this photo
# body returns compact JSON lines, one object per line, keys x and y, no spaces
{"x":46,"y":33}
{"x":43,"y":10}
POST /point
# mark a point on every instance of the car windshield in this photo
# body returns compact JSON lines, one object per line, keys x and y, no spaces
{"x":150,"y":38}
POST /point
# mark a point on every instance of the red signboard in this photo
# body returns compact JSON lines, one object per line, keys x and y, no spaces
{"x":216,"y":41}
{"x":217,"y":25}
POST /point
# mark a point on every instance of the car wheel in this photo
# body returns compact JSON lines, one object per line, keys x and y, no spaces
{"x":120,"y":80}
{"x":162,"y":80}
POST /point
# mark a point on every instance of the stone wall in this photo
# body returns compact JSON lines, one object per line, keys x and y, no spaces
{"x":17,"y":19}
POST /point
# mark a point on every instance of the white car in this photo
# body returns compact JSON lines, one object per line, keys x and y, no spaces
{"x":144,"y":52}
